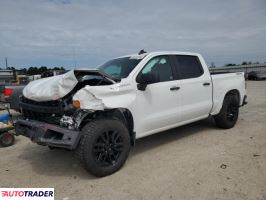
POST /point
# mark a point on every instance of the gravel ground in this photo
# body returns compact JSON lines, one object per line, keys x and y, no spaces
{"x":197,"y":161}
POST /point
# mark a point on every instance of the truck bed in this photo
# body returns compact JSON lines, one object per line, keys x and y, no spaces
{"x":223,"y":82}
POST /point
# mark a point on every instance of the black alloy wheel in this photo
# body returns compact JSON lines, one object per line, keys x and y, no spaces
{"x":104,"y":146}
{"x":232,"y":112}
{"x":108,"y":147}
{"x":228,"y":115}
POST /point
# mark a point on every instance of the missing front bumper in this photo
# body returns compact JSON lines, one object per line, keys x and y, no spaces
{"x":48,"y":134}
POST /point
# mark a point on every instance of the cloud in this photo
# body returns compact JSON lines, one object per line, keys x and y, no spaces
{"x":50,"y":32}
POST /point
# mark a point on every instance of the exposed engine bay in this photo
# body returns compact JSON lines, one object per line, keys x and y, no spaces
{"x":54,"y":103}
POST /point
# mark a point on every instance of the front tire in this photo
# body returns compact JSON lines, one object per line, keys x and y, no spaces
{"x":104,"y":146}
{"x":228,"y":115}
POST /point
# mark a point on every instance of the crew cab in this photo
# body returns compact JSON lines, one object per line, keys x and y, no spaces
{"x":100,"y":112}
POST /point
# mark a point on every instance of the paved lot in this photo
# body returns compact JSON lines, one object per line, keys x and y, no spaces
{"x":197,"y":161}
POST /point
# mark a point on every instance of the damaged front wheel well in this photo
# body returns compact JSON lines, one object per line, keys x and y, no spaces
{"x":121,"y":114}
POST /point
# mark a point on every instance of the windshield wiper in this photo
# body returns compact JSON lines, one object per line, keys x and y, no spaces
{"x":107,"y":77}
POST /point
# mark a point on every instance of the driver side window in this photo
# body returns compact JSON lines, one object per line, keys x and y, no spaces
{"x":159,"y":67}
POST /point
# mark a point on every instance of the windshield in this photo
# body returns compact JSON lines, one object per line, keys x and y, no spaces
{"x":121,"y":67}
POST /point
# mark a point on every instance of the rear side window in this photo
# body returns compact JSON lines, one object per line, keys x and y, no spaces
{"x":188,"y":66}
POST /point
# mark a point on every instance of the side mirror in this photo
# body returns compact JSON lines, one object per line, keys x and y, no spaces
{"x":145,"y":79}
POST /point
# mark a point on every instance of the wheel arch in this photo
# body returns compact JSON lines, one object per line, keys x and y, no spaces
{"x":220,"y":100}
{"x":233,"y":92}
{"x":122,"y":114}
{"x":228,"y":114}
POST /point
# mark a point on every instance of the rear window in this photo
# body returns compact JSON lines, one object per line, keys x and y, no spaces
{"x":188,"y":66}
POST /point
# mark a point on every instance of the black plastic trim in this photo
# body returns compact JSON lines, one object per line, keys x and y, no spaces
{"x":38,"y":132}
{"x":43,"y":109}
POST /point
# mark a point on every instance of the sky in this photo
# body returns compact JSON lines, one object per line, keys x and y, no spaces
{"x":86,"y":33}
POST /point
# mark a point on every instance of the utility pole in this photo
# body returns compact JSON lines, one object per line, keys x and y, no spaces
{"x":6,"y":63}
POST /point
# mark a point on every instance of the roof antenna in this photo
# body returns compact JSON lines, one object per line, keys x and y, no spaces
{"x":142,"y":51}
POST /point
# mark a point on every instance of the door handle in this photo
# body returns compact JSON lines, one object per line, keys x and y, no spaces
{"x":206,"y":84}
{"x":174,"y":88}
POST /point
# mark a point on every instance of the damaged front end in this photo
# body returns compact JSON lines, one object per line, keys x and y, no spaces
{"x":48,"y":134}
{"x":56,"y":122}
{"x":66,"y":134}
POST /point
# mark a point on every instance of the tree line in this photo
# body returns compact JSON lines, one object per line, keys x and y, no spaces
{"x":36,"y":70}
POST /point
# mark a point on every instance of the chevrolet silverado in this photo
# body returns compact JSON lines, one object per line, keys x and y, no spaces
{"x":100,"y":112}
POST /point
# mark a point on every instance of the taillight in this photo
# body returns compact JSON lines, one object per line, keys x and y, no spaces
{"x":8,"y":92}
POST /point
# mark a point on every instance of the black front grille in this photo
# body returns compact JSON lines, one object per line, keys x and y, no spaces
{"x":48,"y":111}
{"x":43,"y":117}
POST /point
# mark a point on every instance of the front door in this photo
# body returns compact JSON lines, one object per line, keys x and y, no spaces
{"x":159,"y":105}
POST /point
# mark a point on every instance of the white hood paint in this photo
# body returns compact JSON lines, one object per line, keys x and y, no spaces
{"x":51,"y":88}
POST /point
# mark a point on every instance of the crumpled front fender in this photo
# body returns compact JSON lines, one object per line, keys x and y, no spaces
{"x":106,"y":97}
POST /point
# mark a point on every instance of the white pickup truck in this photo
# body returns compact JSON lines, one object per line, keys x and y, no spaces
{"x":100,"y":113}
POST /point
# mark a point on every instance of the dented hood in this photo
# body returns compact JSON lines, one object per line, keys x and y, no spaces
{"x":56,"y":87}
{"x":51,"y":88}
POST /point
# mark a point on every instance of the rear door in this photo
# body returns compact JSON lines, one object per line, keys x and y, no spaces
{"x":195,"y":88}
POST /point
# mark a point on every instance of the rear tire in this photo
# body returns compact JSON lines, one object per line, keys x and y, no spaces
{"x":228,"y":115}
{"x":104,"y":146}
{"x":7,"y":139}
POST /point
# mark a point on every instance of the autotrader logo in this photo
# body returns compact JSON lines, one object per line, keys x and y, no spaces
{"x":26,"y":193}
